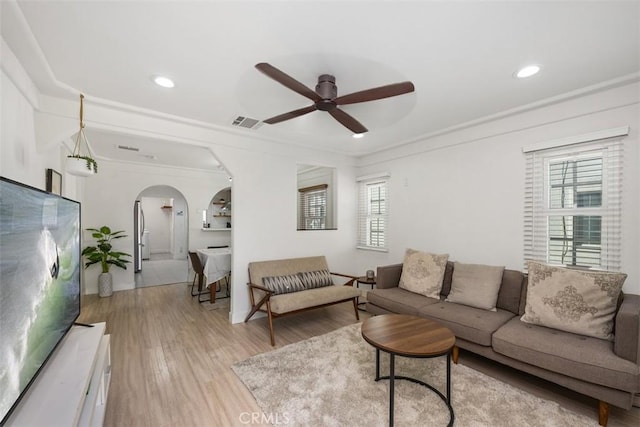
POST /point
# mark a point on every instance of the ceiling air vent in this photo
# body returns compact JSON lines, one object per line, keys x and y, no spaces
{"x":246,"y":122}
{"x":126,"y":147}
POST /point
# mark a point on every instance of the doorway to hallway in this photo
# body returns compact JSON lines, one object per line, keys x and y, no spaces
{"x":161,"y":237}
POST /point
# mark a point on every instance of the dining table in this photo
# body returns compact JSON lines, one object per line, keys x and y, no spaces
{"x":216,"y":264}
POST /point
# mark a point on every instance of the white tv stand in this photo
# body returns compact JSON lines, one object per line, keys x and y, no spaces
{"x":72,"y":388}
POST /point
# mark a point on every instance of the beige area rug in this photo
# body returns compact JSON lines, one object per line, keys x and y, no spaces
{"x":329,"y":381}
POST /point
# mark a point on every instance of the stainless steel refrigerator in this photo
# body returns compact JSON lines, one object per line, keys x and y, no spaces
{"x":138,"y":235}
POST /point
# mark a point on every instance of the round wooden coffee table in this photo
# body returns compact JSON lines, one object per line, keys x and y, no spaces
{"x":409,"y":336}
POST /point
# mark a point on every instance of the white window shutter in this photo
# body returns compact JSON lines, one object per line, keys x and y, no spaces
{"x":572,"y":205}
{"x":373,"y":212}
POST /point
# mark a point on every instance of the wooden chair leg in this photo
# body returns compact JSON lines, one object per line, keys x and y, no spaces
{"x":256,"y":307}
{"x":603,"y":413}
{"x":355,"y":308}
{"x":455,"y":353}
{"x":271,"y":334}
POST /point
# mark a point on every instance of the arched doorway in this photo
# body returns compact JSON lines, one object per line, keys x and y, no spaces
{"x":160,"y":236}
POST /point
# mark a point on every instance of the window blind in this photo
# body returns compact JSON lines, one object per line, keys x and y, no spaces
{"x":312,"y":207}
{"x":573,"y":205}
{"x":373,"y":210}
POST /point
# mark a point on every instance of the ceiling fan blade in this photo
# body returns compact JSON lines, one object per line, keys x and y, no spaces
{"x":290,"y":115}
{"x":375,"y":93}
{"x":347,"y":121}
{"x":288,"y":81}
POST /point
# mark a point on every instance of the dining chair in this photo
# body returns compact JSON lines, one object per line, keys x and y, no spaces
{"x":199,"y":275}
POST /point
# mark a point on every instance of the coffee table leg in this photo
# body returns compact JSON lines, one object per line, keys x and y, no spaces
{"x":377,"y":364}
{"x":392,"y":377}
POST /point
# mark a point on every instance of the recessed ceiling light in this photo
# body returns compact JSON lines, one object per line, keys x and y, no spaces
{"x":527,"y":71}
{"x":358,"y":135}
{"x":163,"y":81}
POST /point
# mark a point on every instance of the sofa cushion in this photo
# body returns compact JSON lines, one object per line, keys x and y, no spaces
{"x":285,"y":303}
{"x":423,"y":272}
{"x":283,"y":284}
{"x":581,"y":302}
{"x":468,"y":323}
{"x":512,"y":291}
{"x":475,"y":285}
{"x":578,"y":356}
{"x":398,"y":300}
{"x":316,"y":279}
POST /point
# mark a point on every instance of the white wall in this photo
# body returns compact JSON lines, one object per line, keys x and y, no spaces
{"x":461,"y":193}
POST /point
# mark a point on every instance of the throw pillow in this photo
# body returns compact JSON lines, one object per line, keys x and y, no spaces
{"x":423,"y":272}
{"x":475,"y":285}
{"x":577,"y":301}
{"x":316,"y":279}
{"x":283,"y":284}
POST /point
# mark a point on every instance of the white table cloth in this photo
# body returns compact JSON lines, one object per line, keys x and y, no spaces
{"x":216,"y":262}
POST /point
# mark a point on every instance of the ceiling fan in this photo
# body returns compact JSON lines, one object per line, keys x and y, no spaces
{"x":325,"y":97}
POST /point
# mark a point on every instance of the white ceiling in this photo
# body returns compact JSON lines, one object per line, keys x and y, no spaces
{"x":460,"y":55}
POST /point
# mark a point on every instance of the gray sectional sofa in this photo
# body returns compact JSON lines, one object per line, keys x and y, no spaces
{"x":608,"y":371}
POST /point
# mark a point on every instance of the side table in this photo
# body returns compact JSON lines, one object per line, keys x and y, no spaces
{"x":364,"y":280}
{"x":409,"y":336}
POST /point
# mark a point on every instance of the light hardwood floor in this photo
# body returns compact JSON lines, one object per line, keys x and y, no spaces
{"x":172,"y":358}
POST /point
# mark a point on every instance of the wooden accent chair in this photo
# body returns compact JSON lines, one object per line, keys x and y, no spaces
{"x":276,"y":304}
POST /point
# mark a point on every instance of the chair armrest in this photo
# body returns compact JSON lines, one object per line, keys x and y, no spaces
{"x":350,"y":282}
{"x":388,"y":276}
{"x":262,"y":288}
{"x":627,"y":329}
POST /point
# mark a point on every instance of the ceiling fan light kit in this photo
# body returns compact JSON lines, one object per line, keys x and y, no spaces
{"x":325,"y":97}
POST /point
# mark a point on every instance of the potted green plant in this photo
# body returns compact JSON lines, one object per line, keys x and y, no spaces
{"x":104,"y":254}
{"x":77,"y":163}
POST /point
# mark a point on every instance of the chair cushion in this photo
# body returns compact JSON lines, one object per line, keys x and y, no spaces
{"x":283,"y":284}
{"x":577,"y":301}
{"x":285,"y":303}
{"x":423,"y":272}
{"x":475,"y":285}
{"x":468,"y":323}
{"x":578,"y":356}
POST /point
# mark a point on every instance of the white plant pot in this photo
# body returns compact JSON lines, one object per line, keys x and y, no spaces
{"x":78,"y":167}
{"x":105,"y":285}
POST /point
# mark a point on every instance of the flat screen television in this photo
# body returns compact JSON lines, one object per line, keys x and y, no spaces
{"x":39,"y":283}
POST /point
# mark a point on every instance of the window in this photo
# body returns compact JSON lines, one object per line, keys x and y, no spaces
{"x":313,"y":208}
{"x":373,"y":205}
{"x":573,"y":205}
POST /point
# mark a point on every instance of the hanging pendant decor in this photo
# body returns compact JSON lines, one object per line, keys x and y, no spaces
{"x":80,"y":164}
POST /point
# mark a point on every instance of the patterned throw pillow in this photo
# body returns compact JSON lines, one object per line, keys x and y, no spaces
{"x":283,"y":284}
{"x":316,"y":279}
{"x":581,"y":302}
{"x":423,"y":272}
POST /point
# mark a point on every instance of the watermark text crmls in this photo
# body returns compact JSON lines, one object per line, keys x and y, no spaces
{"x":274,"y":418}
